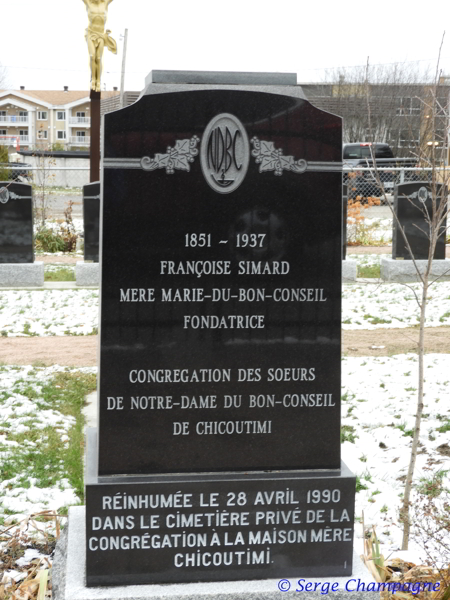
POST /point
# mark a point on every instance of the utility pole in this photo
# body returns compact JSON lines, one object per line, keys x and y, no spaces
{"x":124,"y":57}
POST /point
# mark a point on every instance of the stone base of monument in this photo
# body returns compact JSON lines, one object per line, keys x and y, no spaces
{"x":87,"y":274}
{"x":176,"y":528}
{"x":22,"y":274}
{"x":69,"y":578}
{"x":349,"y":270}
{"x":405,"y":271}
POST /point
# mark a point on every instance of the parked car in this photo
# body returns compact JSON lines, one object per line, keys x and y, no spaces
{"x":358,"y":153}
{"x":362,"y":184}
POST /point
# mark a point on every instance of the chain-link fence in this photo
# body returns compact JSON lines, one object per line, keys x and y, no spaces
{"x":51,"y":178}
{"x":362,"y":182}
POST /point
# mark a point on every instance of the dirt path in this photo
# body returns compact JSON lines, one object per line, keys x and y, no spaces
{"x":82,"y":351}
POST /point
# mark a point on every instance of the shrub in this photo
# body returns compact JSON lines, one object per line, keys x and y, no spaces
{"x":49,"y":241}
{"x":4,"y":158}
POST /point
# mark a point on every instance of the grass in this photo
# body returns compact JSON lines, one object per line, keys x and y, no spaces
{"x":376,"y":320}
{"x":61,"y":274}
{"x":369,"y":271}
{"x":41,"y":454}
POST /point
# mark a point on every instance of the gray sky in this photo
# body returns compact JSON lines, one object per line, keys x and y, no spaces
{"x":43,"y":45}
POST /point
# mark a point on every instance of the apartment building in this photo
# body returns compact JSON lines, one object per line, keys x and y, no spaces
{"x":41,"y":119}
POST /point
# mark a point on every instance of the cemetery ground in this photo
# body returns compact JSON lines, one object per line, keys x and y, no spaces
{"x":48,"y":358}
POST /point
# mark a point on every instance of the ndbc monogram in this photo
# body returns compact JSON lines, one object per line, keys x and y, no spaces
{"x":224,"y":153}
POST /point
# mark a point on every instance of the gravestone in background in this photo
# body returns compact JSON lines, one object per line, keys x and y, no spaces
{"x":344,"y":220}
{"x":411,"y":202}
{"x":219,"y":386}
{"x":91,"y":219}
{"x":16,"y":223}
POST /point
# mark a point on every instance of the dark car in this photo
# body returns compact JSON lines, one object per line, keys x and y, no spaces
{"x":358,"y":153}
{"x":363,"y":184}
{"x":17,"y":171}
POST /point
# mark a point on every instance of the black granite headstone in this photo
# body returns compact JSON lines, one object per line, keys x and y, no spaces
{"x":16,"y":223}
{"x":412,"y":203}
{"x":219,"y":340}
{"x":91,"y":219}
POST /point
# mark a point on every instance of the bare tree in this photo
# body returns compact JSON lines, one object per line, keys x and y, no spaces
{"x":431,"y":155}
{"x":393,"y":97}
{"x":43,"y":178}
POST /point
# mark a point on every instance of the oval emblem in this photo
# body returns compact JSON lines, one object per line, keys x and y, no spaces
{"x":224,"y":153}
{"x":423,"y":194}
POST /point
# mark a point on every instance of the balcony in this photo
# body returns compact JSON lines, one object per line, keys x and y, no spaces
{"x":80,"y":121}
{"x":11,"y":140}
{"x":79,"y":140}
{"x":12,"y":120}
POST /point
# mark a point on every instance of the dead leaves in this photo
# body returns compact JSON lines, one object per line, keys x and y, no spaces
{"x":403,"y":572}
{"x":33,"y":580}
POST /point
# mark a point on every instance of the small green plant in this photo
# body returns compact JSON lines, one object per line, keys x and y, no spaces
{"x":444,"y":428}
{"x":348,"y":434}
{"x":360,"y":486}
{"x":432,"y":487}
{"x":27,"y":330}
{"x":367,"y":476}
{"x":406,"y":432}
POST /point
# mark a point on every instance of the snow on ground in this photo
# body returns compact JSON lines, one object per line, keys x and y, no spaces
{"x":75,"y":312}
{"x":27,"y":419}
{"x":48,"y":312}
{"x":379,"y":397}
{"x":385,"y":305}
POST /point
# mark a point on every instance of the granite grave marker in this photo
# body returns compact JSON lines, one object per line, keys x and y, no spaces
{"x":16,"y":223}
{"x":411,"y":202}
{"x":218,"y":450}
{"x":91,"y":220}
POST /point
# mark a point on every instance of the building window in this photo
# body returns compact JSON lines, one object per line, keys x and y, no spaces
{"x":61,"y":135}
{"x":42,"y":135}
{"x":81,"y":134}
{"x":81,"y":114}
{"x":61,"y":115}
{"x":23,"y":132}
{"x":23,"y":113}
{"x":2,"y":131}
{"x":409,"y":106}
{"x":42,"y":115}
